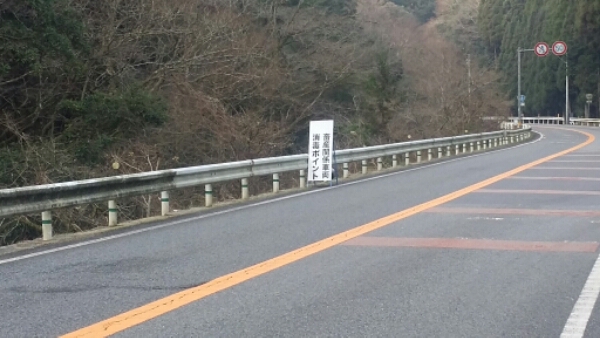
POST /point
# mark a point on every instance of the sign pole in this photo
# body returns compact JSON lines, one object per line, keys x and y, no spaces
{"x":567,"y":117}
{"x":519,"y":108}
{"x":559,"y":48}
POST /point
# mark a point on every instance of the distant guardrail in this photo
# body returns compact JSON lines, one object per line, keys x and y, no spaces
{"x":578,"y":121}
{"x":48,"y":197}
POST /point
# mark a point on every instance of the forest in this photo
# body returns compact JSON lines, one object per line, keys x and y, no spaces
{"x":101,"y":88}
{"x":506,"y":25}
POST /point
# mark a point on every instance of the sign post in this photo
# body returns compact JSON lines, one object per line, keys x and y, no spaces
{"x":320,"y":151}
{"x":541,"y":49}
{"x":559,"y":48}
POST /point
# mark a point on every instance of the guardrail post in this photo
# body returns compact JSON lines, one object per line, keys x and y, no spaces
{"x":406,"y":159}
{"x":429,"y":154}
{"x":394,"y":161}
{"x":379,"y":163}
{"x":364,"y":167}
{"x":448,"y":151}
{"x":244,"y":188}
{"x":471,"y":147}
{"x":47,"y":225}
{"x":418,"y":156}
{"x":345,"y":166}
{"x":478,"y":145}
{"x":275,"y":183}
{"x":440,"y":153}
{"x":208,"y":195}
{"x":464,"y":148}
{"x":303,"y":179}
{"x":456,"y":149}
{"x":164,"y":203}
{"x":112,"y":213}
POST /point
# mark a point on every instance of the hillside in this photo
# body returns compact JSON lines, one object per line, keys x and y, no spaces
{"x":506,"y":25}
{"x":91,"y":89}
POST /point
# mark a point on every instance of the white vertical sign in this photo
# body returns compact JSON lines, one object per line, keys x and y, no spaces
{"x":320,"y":151}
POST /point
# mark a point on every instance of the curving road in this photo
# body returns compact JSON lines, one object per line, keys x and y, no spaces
{"x":492,"y":245}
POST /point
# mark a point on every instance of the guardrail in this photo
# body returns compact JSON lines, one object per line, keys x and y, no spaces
{"x":48,"y":197}
{"x":578,"y":121}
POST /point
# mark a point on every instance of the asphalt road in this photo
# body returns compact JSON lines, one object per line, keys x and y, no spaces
{"x":510,"y":259}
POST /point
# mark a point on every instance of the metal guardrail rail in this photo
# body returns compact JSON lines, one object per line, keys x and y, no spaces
{"x":578,"y":121}
{"x":48,"y":197}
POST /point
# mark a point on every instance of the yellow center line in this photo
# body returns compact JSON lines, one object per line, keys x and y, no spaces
{"x":167,"y":304}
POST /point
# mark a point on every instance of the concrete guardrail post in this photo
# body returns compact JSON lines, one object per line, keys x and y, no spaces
{"x":478,"y":145}
{"x":245,"y":194}
{"x":208,"y":195}
{"x":346,"y":174}
{"x":471,"y":147}
{"x":164,"y":203}
{"x":303,"y":178}
{"x":379,"y":164}
{"x":364,"y":166}
{"x":394,"y":161}
{"x":456,"y":149}
{"x":440,"y":153}
{"x":407,"y":159}
{"x":275,"y":183}
{"x":429,"y":154}
{"x":112,"y":213}
{"x":418,"y":156}
{"x":448,"y":151}
{"x":47,"y":225}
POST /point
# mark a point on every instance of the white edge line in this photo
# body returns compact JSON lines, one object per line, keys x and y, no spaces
{"x":580,"y":315}
{"x":217,"y":213}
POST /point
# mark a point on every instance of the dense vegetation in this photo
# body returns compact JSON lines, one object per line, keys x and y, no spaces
{"x":423,"y":10}
{"x":97,"y":88}
{"x":506,"y":25}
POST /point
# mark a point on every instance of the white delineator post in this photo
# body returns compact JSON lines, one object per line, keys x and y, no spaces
{"x":244,"y":188}
{"x":164,"y":203}
{"x":302,"y":179}
{"x":47,"y":225}
{"x":275,"y":183}
{"x":208,"y":195}
{"x":112,"y":213}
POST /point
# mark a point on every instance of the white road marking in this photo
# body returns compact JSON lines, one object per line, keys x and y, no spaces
{"x":217,"y":213}
{"x":577,"y":322}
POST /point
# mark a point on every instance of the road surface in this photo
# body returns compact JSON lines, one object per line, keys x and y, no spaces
{"x":497,"y":244}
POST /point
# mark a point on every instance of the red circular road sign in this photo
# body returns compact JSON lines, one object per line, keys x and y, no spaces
{"x":559,"y":48}
{"x":541,"y":49}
